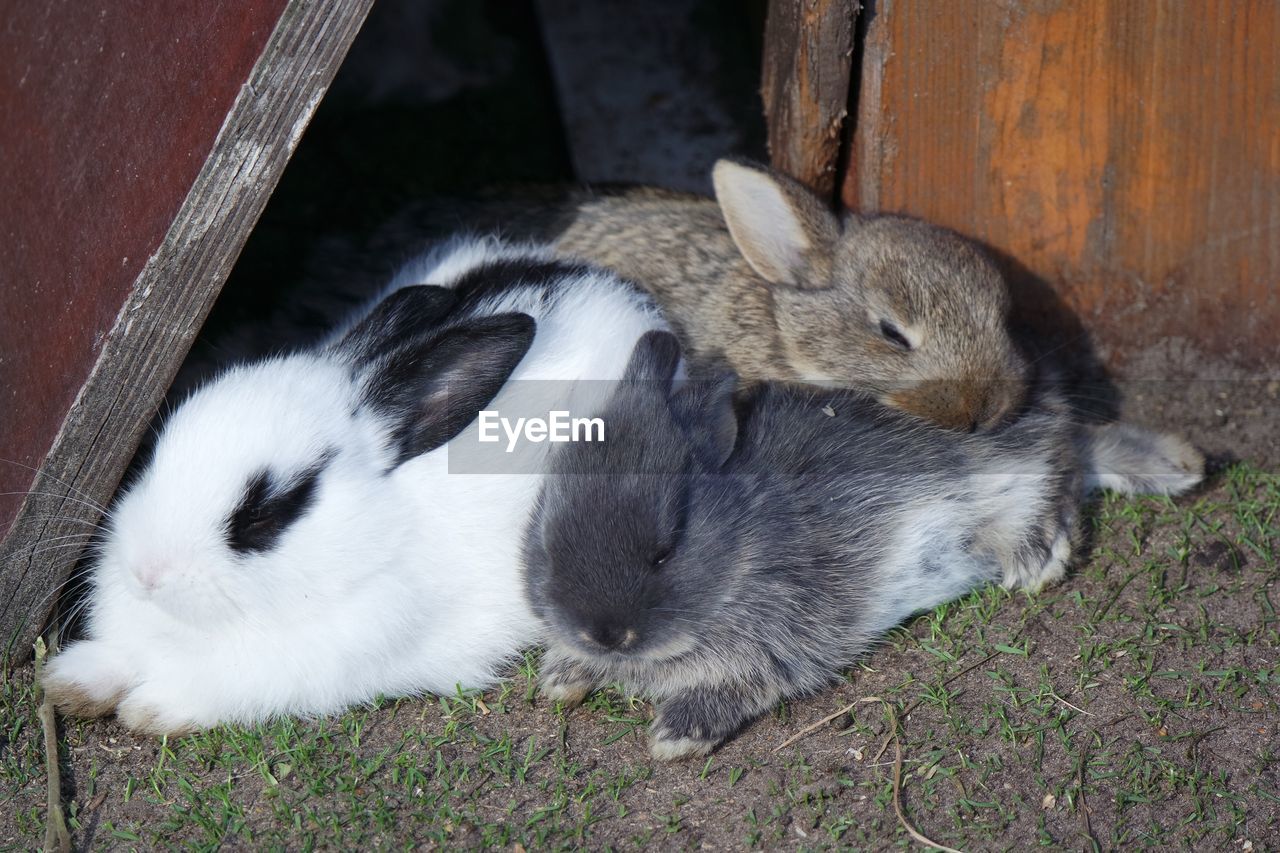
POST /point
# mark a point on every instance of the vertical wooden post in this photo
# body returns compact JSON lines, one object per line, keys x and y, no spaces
{"x":808,"y":60}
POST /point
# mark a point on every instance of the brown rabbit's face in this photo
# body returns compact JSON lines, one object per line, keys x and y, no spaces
{"x":913,"y":314}
{"x":903,"y":309}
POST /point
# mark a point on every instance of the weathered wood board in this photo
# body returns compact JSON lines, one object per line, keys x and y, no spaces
{"x":137,"y":149}
{"x":808,"y":61}
{"x":1127,"y":153}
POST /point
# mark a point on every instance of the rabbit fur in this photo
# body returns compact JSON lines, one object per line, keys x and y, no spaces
{"x":298,"y":542}
{"x":766,"y":280}
{"x":720,"y":561}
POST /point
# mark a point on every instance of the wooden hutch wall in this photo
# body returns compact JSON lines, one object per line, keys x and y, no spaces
{"x":1125,"y":153}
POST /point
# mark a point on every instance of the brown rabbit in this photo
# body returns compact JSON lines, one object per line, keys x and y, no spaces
{"x":771,"y":283}
{"x":766,"y":280}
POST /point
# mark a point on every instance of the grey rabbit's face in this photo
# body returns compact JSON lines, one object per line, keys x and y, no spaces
{"x":610,"y":571}
{"x":901,"y":308}
{"x":617,"y":555}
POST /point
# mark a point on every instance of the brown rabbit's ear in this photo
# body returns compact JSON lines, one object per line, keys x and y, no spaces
{"x":783,"y":230}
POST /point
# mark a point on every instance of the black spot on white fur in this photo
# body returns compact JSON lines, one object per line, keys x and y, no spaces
{"x":269,"y":506}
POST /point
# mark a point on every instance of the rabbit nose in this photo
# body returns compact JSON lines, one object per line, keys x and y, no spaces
{"x":613,"y":636}
{"x":1000,"y":405}
{"x":951,"y":403}
{"x":980,"y":405}
{"x":149,"y":574}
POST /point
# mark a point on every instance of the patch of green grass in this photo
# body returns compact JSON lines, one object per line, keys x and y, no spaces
{"x":21,"y":753}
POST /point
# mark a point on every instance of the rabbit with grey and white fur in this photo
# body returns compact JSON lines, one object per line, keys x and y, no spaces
{"x":302,"y":539}
{"x":720,"y":562}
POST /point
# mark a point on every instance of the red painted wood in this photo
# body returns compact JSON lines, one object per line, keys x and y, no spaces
{"x":107,"y":112}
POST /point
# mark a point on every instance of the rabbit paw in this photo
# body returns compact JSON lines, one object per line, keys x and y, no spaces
{"x":665,"y":745}
{"x":564,"y":680}
{"x":84,"y":680}
{"x":1041,"y":559}
{"x":690,"y":724}
{"x":1044,"y":563}
{"x":147,"y":711}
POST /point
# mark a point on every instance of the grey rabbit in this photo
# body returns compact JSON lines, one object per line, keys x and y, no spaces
{"x":719,"y":561}
{"x":766,"y":280}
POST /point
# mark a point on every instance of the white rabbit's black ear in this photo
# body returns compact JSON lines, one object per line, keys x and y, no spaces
{"x":404,"y":315}
{"x":654,"y":358}
{"x":783,"y":230}
{"x":708,"y":414}
{"x":432,"y":388}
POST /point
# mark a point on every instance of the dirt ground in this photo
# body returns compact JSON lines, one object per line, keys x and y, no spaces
{"x":1230,"y":420}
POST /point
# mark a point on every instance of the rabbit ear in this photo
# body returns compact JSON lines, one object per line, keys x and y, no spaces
{"x":707,"y":412}
{"x":655,"y":357}
{"x":783,"y":230}
{"x":403,"y":315}
{"x":704,"y":411}
{"x":433,"y":387}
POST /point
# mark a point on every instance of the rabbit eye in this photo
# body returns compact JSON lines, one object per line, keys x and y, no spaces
{"x":661,"y":557}
{"x":265,"y":510}
{"x":894,"y":336}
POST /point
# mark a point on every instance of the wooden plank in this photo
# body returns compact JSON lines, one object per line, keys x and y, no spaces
{"x":1127,"y":153}
{"x":149,"y":142}
{"x":808,"y":57}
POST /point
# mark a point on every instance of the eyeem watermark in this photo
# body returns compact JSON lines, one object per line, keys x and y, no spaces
{"x":558,"y":426}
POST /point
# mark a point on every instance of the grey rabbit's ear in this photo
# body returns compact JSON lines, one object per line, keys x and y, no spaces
{"x":433,"y":387}
{"x":654,"y":358}
{"x":783,"y":230}
{"x":707,"y":413}
{"x":704,"y":411}
{"x":403,"y":315}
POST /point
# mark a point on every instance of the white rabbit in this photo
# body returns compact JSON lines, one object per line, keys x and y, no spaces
{"x":301,"y":542}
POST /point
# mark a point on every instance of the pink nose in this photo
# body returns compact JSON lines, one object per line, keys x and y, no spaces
{"x":149,"y":575}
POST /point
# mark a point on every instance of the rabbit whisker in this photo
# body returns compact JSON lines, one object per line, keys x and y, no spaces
{"x":70,"y":519}
{"x":44,"y":547}
{"x":1067,"y":343}
{"x":92,"y":505}
{"x":673,"y":610}
{"x":70,"y":582}
{"x":50,"y":545}
{"x":57,"y":480}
